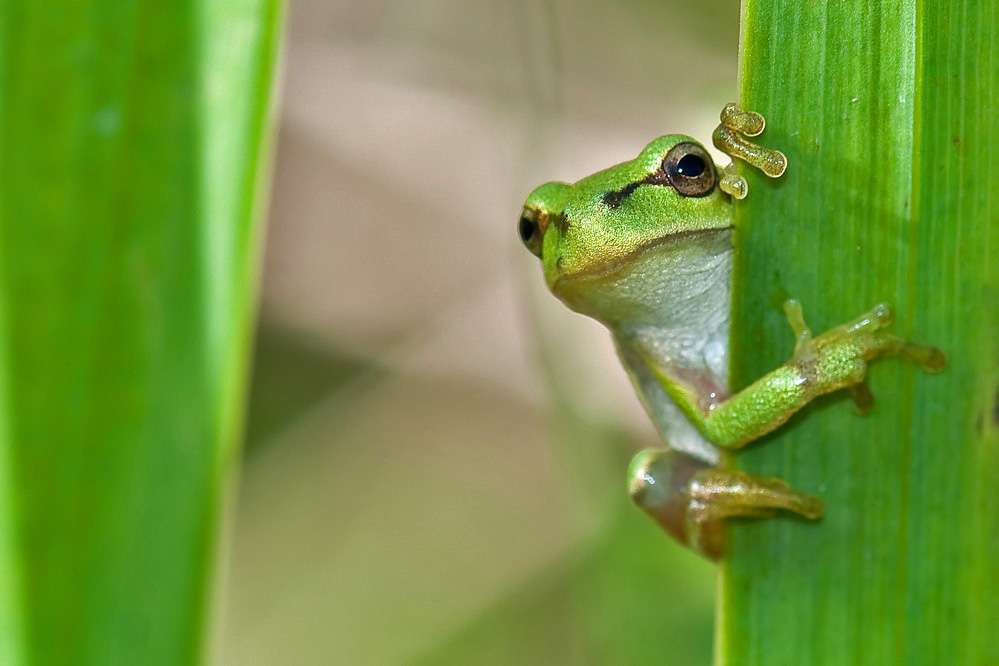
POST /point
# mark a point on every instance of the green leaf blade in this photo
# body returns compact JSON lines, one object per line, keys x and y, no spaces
{"x":121,"y":375}
{"x":879,"y":203}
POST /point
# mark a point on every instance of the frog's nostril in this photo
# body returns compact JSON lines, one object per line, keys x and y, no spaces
{"x":530,"y":229}
{"x":527,"y":229}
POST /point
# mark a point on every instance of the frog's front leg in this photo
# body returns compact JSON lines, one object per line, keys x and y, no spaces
{"x":690,"y":499}
{"x":728,"y":138}
{"x":836,"y":359}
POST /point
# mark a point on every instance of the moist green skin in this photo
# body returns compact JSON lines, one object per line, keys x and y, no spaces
{"x":598,"y":237}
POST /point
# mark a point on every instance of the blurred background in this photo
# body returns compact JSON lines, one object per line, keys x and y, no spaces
{"x":436,"y":448}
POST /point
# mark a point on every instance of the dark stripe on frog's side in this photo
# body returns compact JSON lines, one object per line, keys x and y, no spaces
{"x":614,"y":199}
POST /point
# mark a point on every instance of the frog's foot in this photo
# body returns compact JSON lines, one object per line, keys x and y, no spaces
{"x":863,"y":399}
{"x":838,"y":358}
{"x":726,"y":137}
{"x":690,"y":499}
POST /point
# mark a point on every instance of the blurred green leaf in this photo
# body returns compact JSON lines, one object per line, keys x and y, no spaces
{"x":132,"y":147}
{"x":886,"y":112}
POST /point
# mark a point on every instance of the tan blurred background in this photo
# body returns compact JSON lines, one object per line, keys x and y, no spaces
{"x":436,"y":448}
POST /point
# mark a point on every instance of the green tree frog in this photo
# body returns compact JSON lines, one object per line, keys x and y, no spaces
{"x":645,"y":247}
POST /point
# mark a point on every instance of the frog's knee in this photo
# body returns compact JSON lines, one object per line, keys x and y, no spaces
{"x":659,"y":482}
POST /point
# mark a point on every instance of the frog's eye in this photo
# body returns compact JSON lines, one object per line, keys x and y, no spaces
{"x":530,"y":231}
{"x":689,"y":169}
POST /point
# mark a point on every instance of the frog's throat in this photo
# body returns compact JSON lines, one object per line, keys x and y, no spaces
{"x":599,"y":271}
{"x":668,"y":289}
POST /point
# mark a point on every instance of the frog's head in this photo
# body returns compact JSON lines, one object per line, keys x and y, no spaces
{"x":666,"y":202}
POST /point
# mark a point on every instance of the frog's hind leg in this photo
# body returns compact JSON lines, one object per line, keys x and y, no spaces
{"x":690,"y":499}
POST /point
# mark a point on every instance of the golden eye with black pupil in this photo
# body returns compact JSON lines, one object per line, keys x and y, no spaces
{"x":689,"y":169}
{"x":530,"y":231}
